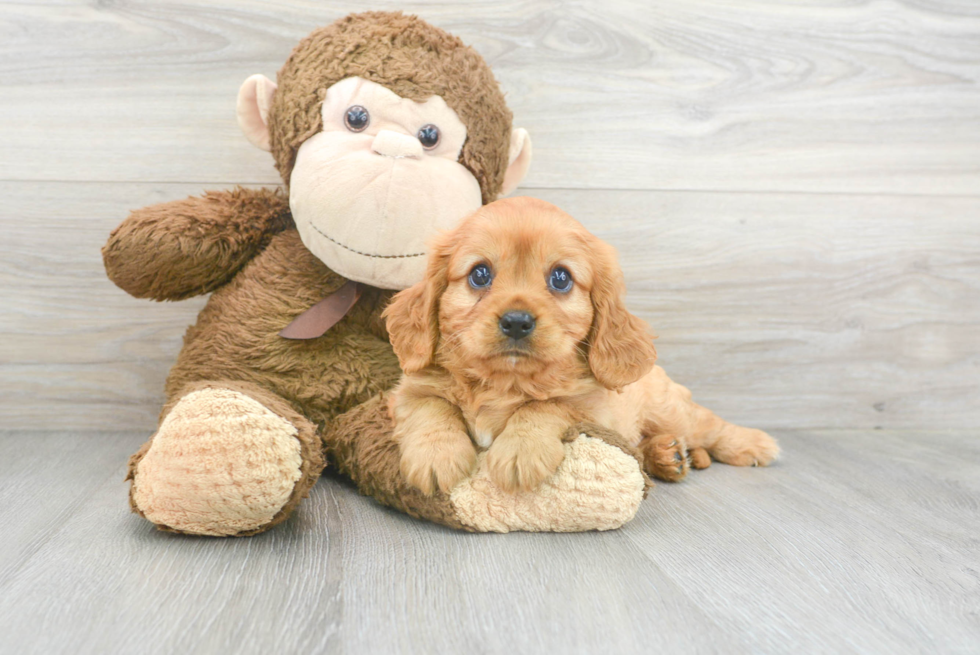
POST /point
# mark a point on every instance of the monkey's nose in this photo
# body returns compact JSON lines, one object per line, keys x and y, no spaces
{"x":517,"y":325}
{"x":394,"y":144}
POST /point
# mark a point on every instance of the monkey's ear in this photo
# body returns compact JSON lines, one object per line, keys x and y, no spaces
{"x":254,"y":101}
{"x":518,"y":160}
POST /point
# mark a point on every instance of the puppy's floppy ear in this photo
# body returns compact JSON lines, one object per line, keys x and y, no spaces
{"x":621,"y":350}
{"x":412,"y":318}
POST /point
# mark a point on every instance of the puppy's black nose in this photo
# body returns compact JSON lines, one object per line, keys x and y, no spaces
{"x":517,"y":325}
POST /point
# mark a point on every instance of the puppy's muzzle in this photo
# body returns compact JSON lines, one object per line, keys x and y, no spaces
{"x":517,"y":325}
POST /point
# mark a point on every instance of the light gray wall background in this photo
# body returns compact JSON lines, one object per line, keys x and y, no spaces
{"x":794,"y":188}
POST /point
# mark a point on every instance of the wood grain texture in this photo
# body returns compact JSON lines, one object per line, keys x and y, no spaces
{"x":831,"y":96}
{"x":857,"y":541}
{"x":777,"y":310}
{"x":793,"y":188}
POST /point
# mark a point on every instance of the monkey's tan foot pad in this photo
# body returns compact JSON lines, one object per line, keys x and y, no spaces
{"x":596,"y":487}
{"x":220,"y":464}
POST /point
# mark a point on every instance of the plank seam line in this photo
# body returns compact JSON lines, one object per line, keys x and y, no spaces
{"x":772,"y":192}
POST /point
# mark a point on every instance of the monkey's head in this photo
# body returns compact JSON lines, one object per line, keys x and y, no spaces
{"x":385,"y":130}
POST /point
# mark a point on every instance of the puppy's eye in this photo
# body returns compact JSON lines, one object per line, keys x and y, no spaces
{"x":357,"y":118}
{"x":560,"y":280}
{"x":480,"y":276}
{"x":429,"y":136}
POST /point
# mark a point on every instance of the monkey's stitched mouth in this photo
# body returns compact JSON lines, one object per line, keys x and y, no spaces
{"x":358,"y":252}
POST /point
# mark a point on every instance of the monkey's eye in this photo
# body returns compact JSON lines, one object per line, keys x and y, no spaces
{"x":560,"y":280}
{"x":429,"y":136}
{"x":480,"y":276}
{"x":357,"y":118}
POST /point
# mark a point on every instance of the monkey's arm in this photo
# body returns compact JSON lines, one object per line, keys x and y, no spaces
{"x":175,"y":250}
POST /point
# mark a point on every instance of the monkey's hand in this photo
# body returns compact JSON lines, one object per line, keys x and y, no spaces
{"x":185,"y":248}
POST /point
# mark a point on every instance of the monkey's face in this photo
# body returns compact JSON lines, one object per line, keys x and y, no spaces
{"x":370,"y":189}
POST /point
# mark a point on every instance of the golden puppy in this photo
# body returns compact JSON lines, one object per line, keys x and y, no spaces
{"x":518,"y":332}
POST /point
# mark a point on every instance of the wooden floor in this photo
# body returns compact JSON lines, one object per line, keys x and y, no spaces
{"x":794,"y":189}
{"x":859,"y":541}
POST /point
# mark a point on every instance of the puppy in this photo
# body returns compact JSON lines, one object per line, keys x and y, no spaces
{"x":520,"y":331}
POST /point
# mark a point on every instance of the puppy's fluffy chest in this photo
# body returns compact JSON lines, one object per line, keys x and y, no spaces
{"x":484,"y":422}
{"x":487,"y":408}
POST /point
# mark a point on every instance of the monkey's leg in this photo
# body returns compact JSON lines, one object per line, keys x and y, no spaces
{"x":228,"y":459}
{"x":598,"y":486}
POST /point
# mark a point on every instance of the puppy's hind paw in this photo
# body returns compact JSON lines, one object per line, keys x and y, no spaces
{"x":665,"y":457}
{"x":746,"y":447}
{"x":699,"y":457}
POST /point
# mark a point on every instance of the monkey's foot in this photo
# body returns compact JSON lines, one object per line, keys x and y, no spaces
{"x":221,"y":464}
{"x":597,"y":486}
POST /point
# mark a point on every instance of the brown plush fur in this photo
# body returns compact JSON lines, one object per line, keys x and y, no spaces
{"x":242,"y":245}
{"x":237,"y":336}
{"x":188,"y":247}
{"x":587,"y":359}
{"x":361,"y":447}
{"x":413,"y":59}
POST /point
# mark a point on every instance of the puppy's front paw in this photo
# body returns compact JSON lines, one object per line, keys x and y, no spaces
{"x":746,"y":447}
{"x":518,"y":464}
{"x":437,"y":461}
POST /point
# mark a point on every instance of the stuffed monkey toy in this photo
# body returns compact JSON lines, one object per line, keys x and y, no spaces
{"x":385,"y":130}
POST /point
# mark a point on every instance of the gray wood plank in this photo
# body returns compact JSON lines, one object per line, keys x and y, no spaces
{"x":761,"y":95}
{"x":779,"y":310}
{"x":44,"y":478}
{"x":857,"y":541}
{"x":344,"y":575}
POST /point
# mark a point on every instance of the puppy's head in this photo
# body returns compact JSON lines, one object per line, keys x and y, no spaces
{"x":517,"y":287}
